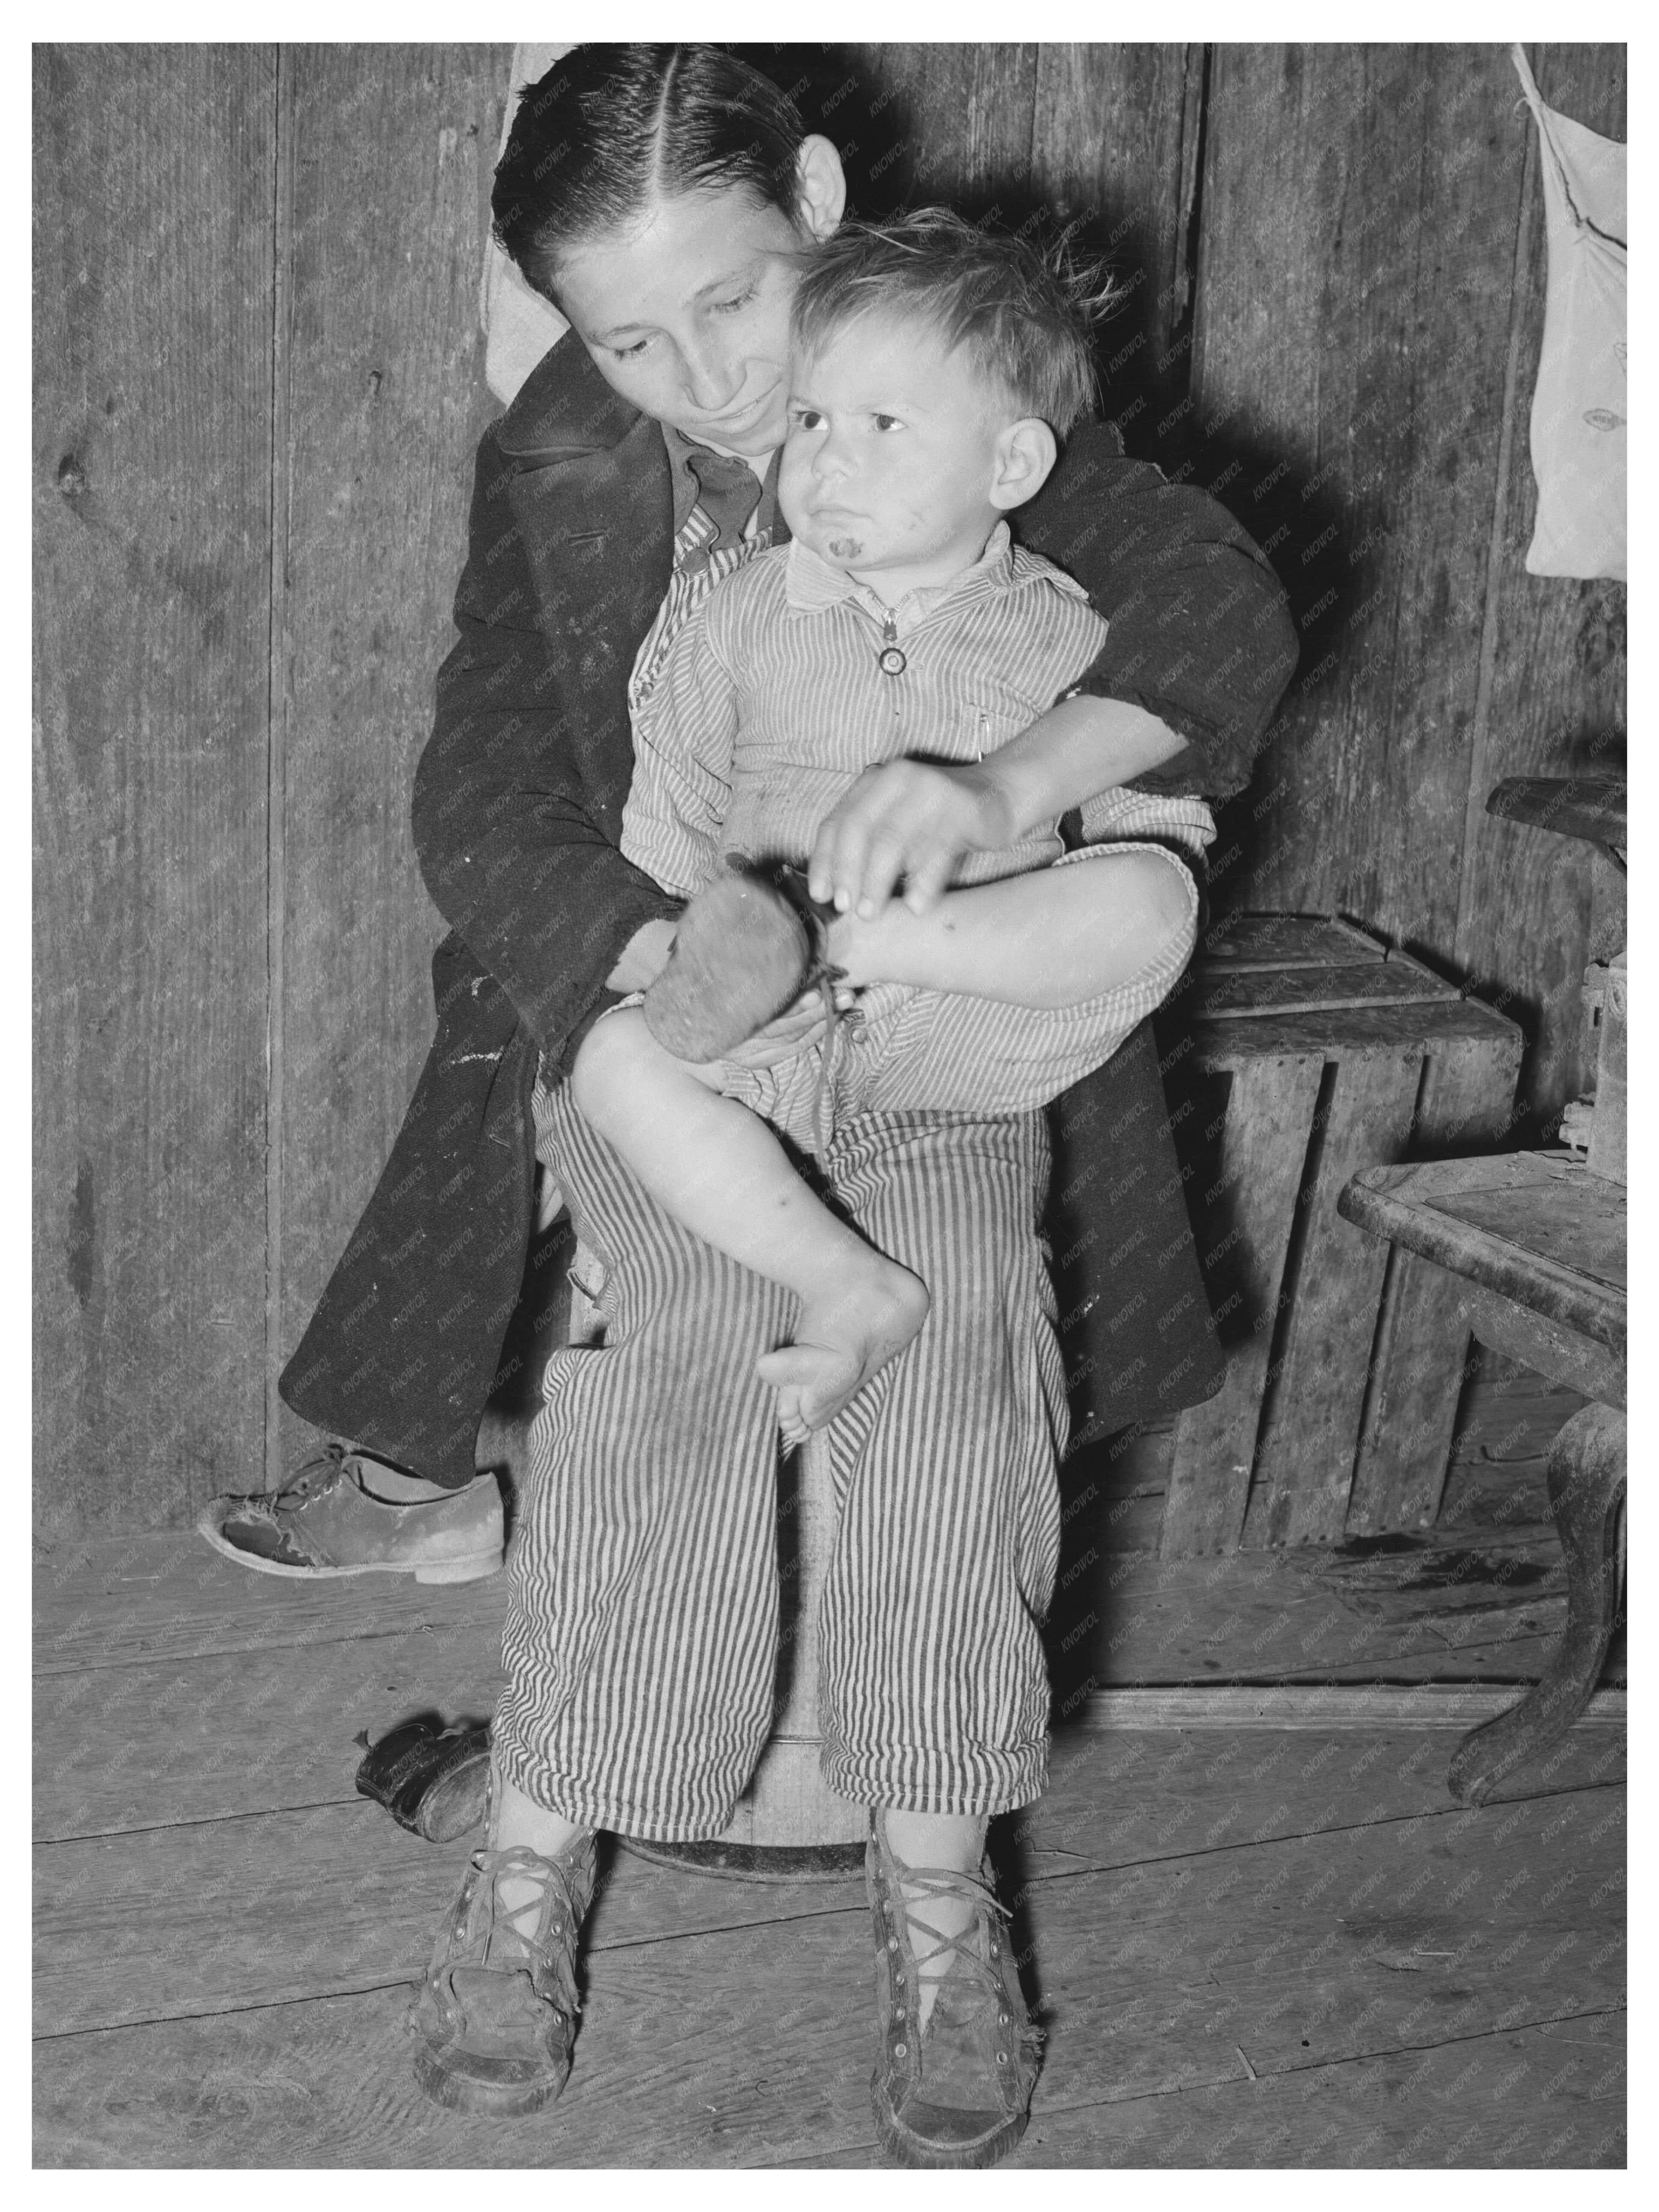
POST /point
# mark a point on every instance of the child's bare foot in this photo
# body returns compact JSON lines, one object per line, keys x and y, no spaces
{"x":845,"y":1335}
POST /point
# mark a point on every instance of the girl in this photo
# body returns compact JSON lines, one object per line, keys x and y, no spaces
{"x":664,"y":198}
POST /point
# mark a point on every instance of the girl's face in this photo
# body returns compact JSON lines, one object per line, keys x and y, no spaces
{"x":687,"y":313}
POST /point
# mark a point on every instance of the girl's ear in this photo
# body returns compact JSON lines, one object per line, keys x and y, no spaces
{"x":822,"y":185}
{"x":1025,"y":453}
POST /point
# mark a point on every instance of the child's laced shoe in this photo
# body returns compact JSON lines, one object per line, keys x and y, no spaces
{"x":958,"y":2093}
{"x":496,"y":2015}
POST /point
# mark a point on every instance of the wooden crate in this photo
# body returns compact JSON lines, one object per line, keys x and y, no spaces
{"x":1298,"y":1050}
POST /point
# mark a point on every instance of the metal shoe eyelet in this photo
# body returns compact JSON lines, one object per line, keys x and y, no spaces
{"x":1003,"y":2017}
{"x":892,"y":1942}
{"x":898,"y":2051}
{"x":898,"y":2012}
{"x":1002,"y":2058}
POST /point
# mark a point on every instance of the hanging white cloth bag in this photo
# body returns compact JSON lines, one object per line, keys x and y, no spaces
{"x":1579,"y":403}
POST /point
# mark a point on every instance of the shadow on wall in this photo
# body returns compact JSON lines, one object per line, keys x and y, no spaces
{"x":1361,"y":409}
{"x":1144,"y":350}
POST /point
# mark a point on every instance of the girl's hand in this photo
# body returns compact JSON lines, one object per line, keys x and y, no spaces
{"x":907,"y":819}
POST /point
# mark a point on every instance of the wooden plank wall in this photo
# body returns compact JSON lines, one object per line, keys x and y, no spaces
{"x":382,"y":366}
{"x":258,"y":382}
{"x":259,"y":385}
{"x":152,"y":480}
{"x":1370,"y":308}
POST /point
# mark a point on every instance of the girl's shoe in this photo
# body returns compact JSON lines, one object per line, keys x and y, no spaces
{"x":958,"y":2094}
{"x":496,"y":2015}
{"x":326,"y":1521}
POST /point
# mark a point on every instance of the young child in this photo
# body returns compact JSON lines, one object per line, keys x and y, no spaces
{"x":935,"y":368}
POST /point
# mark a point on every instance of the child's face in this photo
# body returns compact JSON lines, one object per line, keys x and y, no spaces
{"x":892,"y":453}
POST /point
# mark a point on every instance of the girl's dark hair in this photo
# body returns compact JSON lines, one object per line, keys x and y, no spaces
{"x":610,"y":131}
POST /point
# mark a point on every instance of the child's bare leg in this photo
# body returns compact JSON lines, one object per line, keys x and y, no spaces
{"x":955,"y":1840}
{"x":516,"y":1819}
{"x":720,"y":1171}
{"x":1052,"y":938}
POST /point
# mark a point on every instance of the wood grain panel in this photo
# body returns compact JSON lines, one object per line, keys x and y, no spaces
{"x":1116,"y":154}
{"x":1475,"y":1603}
{"x":220,"y":1738}
{"x":1248,"y":1215}
{"x":164,"y":1596}
{"x":1431,"y":1026}
{"x":1366,"y":337}
{"x":1420,"y":1355}
{"x":153,"y":273}
{"x":381,"y":359}
{"x":1101,"y":140}
{"x":1310,"y":1417}
{"x":1544,"y":2093}
{"x":1308,"y":1902}
{"x":1555,"y":700}
{"x":964,"y":123}
{"x":1573,"y":1361}
{"x":208,"y":1916}
{"x":328,"y":2084}
{"x":1351,"y":343}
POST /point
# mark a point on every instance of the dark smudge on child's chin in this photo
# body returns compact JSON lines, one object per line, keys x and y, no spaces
{"x":845,"y":549}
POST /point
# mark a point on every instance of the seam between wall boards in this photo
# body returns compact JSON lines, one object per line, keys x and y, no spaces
{"x":1475,"y":799}
{"x":276,"y":748}
{"x":1032,"y":135}
{"x":1194,"y":131}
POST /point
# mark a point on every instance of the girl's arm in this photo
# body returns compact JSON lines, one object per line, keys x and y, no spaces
{"x":915,"y":819}
{"x":1199,"y":633}
{"x":1199,"y":648}
{"x":518,"y":795}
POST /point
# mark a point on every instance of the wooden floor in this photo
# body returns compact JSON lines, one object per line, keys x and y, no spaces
{"x":1250,"y":1945}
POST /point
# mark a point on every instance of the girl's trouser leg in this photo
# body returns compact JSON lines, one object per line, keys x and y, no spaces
{"x":933,"y":1692}
{"x":642,"y":1627}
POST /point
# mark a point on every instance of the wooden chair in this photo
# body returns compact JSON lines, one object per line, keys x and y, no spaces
{"x":1535,"y":1244}
{"x":1529,"y":1251}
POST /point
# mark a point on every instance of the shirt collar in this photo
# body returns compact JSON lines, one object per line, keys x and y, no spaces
{"x":686,"y":488}
{"x":811,"y":582}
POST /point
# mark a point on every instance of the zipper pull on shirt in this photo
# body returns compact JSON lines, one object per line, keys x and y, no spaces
{"x":890,"y":660}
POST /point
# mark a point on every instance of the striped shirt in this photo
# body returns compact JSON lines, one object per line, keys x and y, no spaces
{"x":769,"y":703}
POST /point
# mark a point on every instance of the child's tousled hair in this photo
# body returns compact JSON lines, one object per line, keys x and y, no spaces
{"x":611,"y":130}
{"x":1024,"y":318}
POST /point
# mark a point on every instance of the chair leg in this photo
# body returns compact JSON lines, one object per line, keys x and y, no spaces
{"x":1586,"y":1478}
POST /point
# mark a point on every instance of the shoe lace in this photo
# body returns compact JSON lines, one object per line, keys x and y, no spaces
{"x":922,"y":1885}
{"x":314,"y":1474}
{"x":557,"y":1911}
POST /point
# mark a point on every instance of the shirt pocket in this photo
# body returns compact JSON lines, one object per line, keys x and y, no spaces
{"x":993,"y":719}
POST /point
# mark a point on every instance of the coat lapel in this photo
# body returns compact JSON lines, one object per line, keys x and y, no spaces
{"x":593,"y":499}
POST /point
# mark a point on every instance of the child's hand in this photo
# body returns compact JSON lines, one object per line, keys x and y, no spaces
{"x":910,"y":820}
{"x":787,"y":1033}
